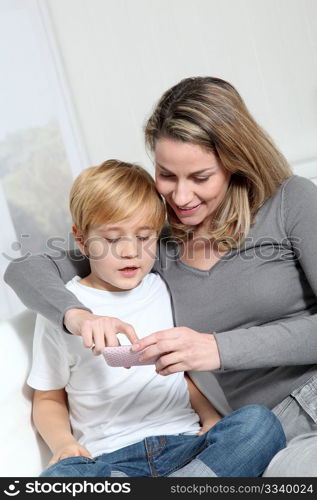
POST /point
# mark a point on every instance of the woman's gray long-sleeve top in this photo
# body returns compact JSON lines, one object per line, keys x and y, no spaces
{"x":261,"y":300}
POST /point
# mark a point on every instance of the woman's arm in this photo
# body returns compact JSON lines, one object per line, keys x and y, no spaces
{"x":291,"y":342}
{"x":39,"y":282}
{"x":202,"y":406}
{"x":51,"y":418}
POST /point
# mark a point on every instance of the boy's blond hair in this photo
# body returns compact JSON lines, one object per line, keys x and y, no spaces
{"x":115,"y":191}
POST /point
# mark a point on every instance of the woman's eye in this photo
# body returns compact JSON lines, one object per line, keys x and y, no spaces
{"x":143,"y":238}
{"x":112,"y":240}
{"x":165,"y":176}
{"x":196,"y":179}
{"x":201,"y":179}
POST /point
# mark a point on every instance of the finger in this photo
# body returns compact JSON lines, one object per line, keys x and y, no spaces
{"x":105,"y":336}
{"x":150,"y":352}
{"x":68,"y":454}
{"x":154,"y":338}
{"x":86,"y":333}
{"x":163,"y":347}
{"x":202,"y":430}
{"x":127,"y":329}
{"x":167,"y":360}
{"x":85,"y":453}
{"x":178,"y":367}
{"x":53,"y":461}
{"x":111,"y":338}
{"x":57,"y":458}
{"x":98,"y":337}
{"x":129,"y":332}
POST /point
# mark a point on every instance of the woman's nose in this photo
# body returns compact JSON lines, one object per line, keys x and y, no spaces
{"x":181,"y":195}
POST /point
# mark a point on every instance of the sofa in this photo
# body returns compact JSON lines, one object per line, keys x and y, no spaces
{"x":23,"y":452}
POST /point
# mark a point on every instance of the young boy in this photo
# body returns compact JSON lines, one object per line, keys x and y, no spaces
{"x":101,"y":421}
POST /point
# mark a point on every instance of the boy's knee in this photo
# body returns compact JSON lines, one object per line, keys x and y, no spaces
{"x":254,"y":424}
{"x":264,"y":425}
{"x":258,"y":415}
{"x":255,"y":412}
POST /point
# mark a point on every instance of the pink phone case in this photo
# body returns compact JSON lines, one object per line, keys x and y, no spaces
{"x":123,"y":356}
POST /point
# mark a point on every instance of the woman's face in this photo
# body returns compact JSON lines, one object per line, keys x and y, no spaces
{"x":191,"y":179}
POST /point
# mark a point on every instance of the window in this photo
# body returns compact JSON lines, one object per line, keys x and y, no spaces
{"x":40,"y":145}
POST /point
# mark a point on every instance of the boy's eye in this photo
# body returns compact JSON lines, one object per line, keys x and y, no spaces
{"x":114,"y":240}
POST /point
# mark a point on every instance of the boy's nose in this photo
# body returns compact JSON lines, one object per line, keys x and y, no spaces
{"x":129,"y":248}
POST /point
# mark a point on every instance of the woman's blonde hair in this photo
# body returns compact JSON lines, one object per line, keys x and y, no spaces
{"x":115,"y":191}
{"x":210,"y":112}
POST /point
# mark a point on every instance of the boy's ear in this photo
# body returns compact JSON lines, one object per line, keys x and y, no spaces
{"x":80,"y":240}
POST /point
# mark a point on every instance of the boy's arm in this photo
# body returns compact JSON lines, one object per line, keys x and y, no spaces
{"x":207,"y":413}
{"x":51,"y":418}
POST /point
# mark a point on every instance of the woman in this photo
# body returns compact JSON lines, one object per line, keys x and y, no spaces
{"x":239,"y":258}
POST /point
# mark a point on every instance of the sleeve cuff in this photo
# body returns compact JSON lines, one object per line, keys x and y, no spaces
{"x":61,"y":319}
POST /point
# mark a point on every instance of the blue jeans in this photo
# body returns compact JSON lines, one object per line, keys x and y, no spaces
{"x":239,"y":445}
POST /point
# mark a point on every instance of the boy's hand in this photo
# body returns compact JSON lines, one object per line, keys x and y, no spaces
{"x":69,"y":450}
{"x":208,"y":424}
{"x":97,"y":331}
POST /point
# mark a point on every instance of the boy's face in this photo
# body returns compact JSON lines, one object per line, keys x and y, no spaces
{"x":120,"y":254}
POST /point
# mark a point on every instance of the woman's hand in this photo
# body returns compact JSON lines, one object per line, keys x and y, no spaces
{"x":100,"y":331}
{"x":180,"y":349}
{"x":72,"y":449}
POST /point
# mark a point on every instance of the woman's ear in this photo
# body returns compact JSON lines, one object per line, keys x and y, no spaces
{"x":80,"y":240}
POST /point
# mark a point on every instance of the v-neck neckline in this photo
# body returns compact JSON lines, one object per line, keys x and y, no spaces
{"x":194,"y":269}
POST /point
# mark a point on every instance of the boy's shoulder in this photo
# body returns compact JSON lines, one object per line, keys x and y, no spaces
{"x":44,"y":328}
{"x":72,"y":284}
{"x":153,"y":279}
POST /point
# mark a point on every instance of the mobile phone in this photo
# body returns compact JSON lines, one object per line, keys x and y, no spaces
{"x":123,"y":356}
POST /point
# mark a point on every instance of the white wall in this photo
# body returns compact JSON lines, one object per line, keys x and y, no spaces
{"x":120,"y":55}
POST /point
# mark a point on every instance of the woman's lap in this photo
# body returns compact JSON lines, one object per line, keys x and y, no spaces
{"x":298,"y":459}
{"x":298,"y":415}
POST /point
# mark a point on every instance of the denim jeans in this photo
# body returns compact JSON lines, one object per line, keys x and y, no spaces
{"x":239,"y":445}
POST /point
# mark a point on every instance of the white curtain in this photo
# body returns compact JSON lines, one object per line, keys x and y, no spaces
{"x":9,"y":303}
{"x":41,"y":149}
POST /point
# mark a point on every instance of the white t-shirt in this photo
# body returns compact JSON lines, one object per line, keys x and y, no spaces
{"x":113,"y":407}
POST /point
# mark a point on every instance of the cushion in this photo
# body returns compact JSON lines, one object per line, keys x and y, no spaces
{"x":23,"y":451}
